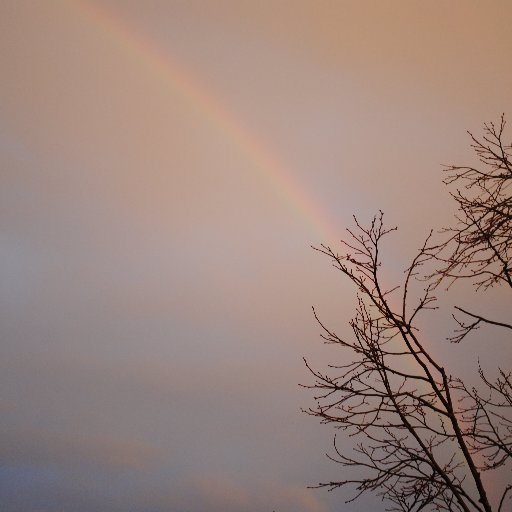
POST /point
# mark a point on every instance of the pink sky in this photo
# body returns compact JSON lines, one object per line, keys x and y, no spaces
{"x":166,"y":166}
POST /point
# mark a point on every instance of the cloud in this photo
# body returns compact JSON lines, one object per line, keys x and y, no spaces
{"x":221,"y":493}
{"x":294,"y":497}
{"x":42,"y":448}
{"x":224,"y":493}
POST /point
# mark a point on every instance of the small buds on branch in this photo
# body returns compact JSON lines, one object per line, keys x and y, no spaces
{"x":424,"y":435}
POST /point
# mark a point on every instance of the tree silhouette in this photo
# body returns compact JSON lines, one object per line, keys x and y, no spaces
{"x":424,"y":436}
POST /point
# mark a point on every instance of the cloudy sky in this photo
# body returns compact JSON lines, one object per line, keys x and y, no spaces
{"x":165,"y":167}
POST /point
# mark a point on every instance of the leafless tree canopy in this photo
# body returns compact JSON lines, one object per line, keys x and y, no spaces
{"x":425,"y":437}
{"x":480,"y":245}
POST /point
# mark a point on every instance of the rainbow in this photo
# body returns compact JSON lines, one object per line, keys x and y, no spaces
{"x":178,"y":79}
{"x":163,"y":67}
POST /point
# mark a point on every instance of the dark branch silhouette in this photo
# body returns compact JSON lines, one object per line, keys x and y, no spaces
{"x":479,"y":247}
{"x":424,"y":436}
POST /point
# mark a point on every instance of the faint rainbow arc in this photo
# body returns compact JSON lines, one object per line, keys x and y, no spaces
{"x":288,"y":186}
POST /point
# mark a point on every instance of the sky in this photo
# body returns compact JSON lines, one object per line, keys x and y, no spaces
{"x":166,"y":166}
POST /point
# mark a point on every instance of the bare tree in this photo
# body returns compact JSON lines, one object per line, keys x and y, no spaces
{"x":479,"y":246}
{"x":425,"y":437}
